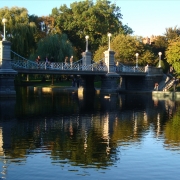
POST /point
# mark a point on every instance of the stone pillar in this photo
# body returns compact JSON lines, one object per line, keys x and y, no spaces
{"x":109,"y":61}
{"x":109,"y":82}
{"x":7,"y":74}
{"x":86,"y":59}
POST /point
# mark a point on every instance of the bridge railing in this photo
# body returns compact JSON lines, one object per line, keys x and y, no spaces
{"x":154,"y":70}
{"x":123,"y":68}
{"x":150,"y":70}
{"x":21,"y":62}
{"x":27,"y":64}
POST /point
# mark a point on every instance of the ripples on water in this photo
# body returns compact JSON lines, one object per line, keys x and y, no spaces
{"x":60,"y":135}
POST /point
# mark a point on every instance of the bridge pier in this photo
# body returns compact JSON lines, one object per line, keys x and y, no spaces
{"x":86,"y":84}
{"x":7,"y":74}
{"x":136,"y":82}
{"x":86,"y":88}
{"x":109,"y":82}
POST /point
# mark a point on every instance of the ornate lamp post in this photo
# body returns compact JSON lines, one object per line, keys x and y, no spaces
{"x":4,"y":20}
{"x":160,"y":53}
{"x":136,"y":59}
{"x":86,"y":37}
{"x":109,"y":35}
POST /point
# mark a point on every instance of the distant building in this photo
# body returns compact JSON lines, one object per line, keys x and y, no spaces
{"x":150,"y":40}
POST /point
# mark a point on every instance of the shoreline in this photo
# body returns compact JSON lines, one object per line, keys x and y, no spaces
{"x":155,"y":94}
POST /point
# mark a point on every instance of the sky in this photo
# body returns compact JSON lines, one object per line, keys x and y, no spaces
{"x":145,"y":17}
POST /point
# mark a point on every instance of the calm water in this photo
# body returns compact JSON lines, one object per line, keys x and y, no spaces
{"x":61,"y":135}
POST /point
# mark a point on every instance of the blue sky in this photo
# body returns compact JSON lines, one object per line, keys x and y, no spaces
{"x":145,"y":17}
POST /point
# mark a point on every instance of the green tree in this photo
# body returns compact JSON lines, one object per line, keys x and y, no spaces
{"x":173,"y":54}
{"x":54,"y":45}
{"x":172,"y":33}
{"x":125,"y":48}
{"x":19,"y":30}
{"x":99,"y":54}
{"x":171,"y":131}
{"x":159,"y":44}
{"x":86,"y":18}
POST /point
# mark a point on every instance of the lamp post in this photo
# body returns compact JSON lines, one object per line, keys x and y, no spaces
{"x":86,"y":37}
{"x":4,"y":20}
{"x":136,"y":59}
{"x":109,"y":35}
{"x":160,"y":53}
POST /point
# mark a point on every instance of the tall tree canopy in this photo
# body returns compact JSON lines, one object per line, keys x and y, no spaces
{"x":172,"y":33}
{"x":125,"y":48}
{"x":56,"y":46}
{"x":173,"y":54}
{"x":86,"y":18}
{"x":19,"y":30}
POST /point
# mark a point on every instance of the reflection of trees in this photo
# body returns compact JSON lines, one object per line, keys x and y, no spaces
{"x":45,"y":104}
{"x":172,"y":129}
{"x":64,"y":139}
{"x":129,"y":127}
{"x":66,"y":128}
{"x":85,"y":140}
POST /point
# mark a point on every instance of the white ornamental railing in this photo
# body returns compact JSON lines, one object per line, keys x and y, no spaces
{"x":21,"y":62}
{"x":123,"y":68}
{"x":28,"y":64}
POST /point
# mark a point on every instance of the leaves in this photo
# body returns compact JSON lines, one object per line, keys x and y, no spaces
{"x":173,"y":54}
{"x":19,"y":31}
{"x":86,"y":18}
{"x":56,"y":46}
{"x":125,"y":48}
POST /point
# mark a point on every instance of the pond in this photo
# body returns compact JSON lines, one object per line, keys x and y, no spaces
{"x":46,"y":134}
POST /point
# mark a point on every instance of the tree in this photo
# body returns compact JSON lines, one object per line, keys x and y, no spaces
{"x":125,"y":48}
{"x":173,"y":54}
{"x":57,"y":46}
{"x":99,"y":54}
{"x":159,"y":44}
{"x":172,"y":33}
{"x":19,"y":30}
{"x":86,"y":18}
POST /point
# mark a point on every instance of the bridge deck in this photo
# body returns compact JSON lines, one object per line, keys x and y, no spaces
{"x":59,"y":72}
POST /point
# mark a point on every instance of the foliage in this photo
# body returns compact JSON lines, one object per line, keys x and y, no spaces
{"x":125,"y":48}
{"x":86,"y":18}
{"x":18,"y":29}
{"x":56,"y":46}
{"x":159,"y":44}
{"x":99,"y":54}
{"x":172,"y":33}
{"x":172,"y":130}
{"x":173,"y":54}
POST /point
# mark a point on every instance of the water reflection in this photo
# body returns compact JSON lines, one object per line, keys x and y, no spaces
{"x":84,"y":131}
